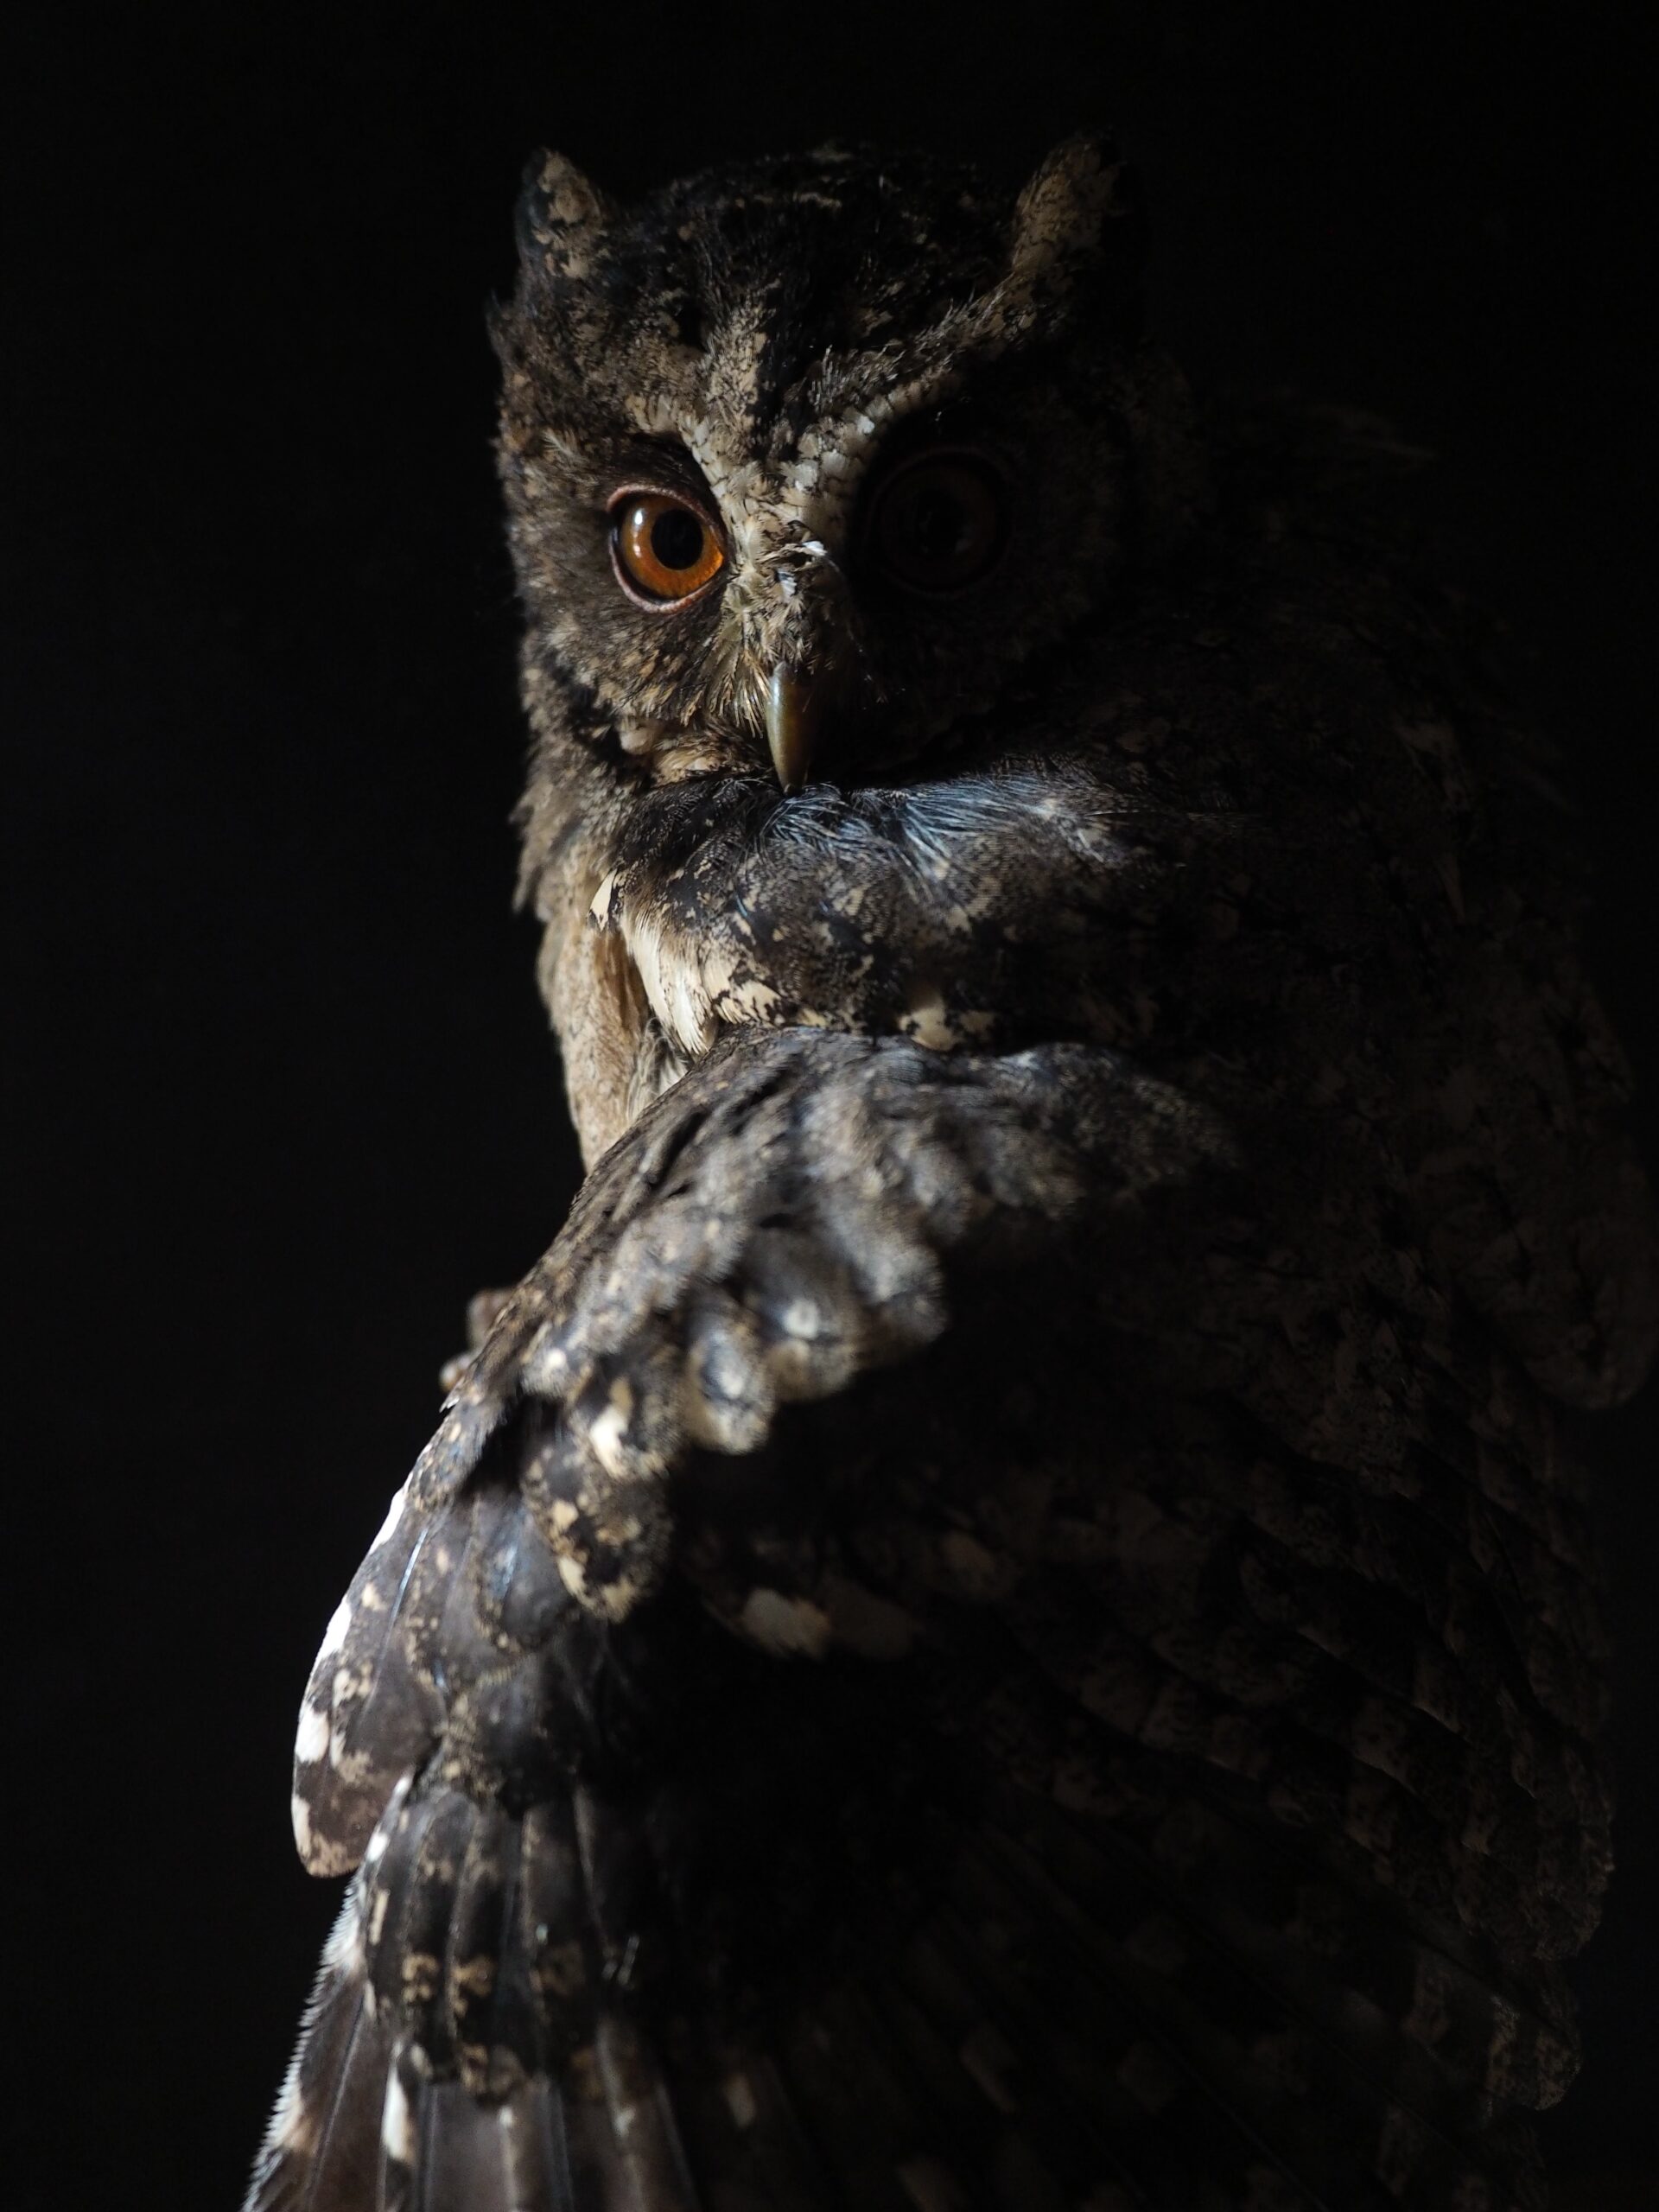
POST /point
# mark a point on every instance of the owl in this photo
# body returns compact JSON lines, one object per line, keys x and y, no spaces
{"x":1008,"y":1620}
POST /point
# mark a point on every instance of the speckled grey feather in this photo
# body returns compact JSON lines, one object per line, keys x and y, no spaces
{"x":1008,"y":1618}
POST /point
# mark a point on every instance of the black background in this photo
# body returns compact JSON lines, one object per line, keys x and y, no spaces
{"x":280,"y":1093}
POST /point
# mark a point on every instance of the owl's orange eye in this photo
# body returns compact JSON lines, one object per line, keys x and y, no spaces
{"x":665,"y":551}
{"x":939,"y":522}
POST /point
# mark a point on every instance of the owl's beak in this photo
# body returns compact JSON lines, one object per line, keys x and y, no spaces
{"x":793,"y":712}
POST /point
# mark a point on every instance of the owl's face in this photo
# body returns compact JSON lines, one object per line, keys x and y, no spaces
{"x":802,"y":460}
{"x":851,"y":476}
{"x":842,"y":491}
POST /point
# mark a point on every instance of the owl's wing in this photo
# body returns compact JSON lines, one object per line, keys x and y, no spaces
{"x":1103,"y":1755}
{"x":778,"y":1226}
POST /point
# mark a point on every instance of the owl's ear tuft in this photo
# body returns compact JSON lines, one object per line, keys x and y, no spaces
{"x":1080,"y":208}
{"x":562,"y":219}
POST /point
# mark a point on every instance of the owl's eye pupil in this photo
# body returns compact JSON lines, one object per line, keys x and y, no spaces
{"x":677,"y":538}
{"x":664,"y":551}
{"x":939,"y":527}
{"x":938,"y":522}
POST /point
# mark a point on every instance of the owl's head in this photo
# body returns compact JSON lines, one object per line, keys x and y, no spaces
{"x":804,"y":459}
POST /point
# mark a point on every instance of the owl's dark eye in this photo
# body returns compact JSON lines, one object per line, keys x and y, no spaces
{"x":939,"y":522}
{"x":665,"y":551}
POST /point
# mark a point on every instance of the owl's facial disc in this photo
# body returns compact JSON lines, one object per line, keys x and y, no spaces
{"x":933,"y":524}
{"x":806,"y":461}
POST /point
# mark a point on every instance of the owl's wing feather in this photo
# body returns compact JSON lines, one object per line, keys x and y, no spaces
{"x":1135,"y":1827}
{"x":1068,"y":2026}
{"x":366,"y":1716}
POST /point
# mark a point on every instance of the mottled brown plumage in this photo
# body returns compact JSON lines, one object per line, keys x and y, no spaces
{"x":1008,"y":1618}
